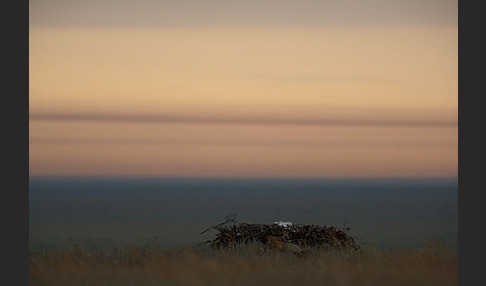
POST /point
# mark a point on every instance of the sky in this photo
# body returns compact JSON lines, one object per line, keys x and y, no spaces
{"x":352,"y":88}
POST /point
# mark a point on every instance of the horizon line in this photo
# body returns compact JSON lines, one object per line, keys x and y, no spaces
{"x":162,"y":177}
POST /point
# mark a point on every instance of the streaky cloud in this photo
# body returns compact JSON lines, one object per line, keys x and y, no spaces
{"x":239,"y":143}
{"x":254,"y":120}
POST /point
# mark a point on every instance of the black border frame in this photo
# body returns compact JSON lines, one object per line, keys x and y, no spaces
{"x":15,"y":123}
{"x":470,"y":178}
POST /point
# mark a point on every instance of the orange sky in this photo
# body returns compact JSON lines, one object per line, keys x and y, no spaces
{"x":312,"y":101}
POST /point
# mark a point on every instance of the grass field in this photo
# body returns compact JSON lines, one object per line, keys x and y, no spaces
{"x":432,"y":264}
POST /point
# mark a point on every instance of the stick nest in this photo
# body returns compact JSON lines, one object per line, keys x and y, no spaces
{"x":305,"y":236}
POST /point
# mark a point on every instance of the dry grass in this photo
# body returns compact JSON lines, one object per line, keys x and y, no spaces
{"x":431,"y":265}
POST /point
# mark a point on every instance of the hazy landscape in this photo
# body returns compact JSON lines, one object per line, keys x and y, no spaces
{"x":172,"y":212}
{"x":146,"y":231}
